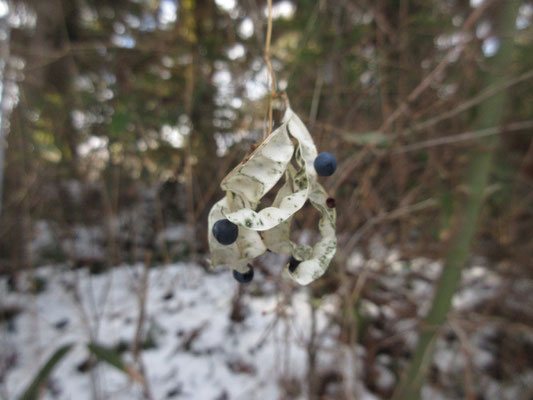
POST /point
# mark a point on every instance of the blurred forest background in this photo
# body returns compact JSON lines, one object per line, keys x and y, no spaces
{"x":119,"y":118}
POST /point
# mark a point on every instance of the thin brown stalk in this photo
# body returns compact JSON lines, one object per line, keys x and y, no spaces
{"x":189,"y":33}
{"x":138,"y":339}
{"x":316,"y":100}
{"x":399,"y":212}
{"x":461,"y":137}
{"x":142,"y":295}
{"x":467,"y":351}
{"x":312,"y":355}
{"x":484,"y":95}
{"x":436,"y":72}
{"x":268,"y":131}
{"x":206,"y":198}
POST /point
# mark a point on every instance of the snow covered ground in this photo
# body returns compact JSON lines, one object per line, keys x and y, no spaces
{"x":199,"y":352}
{"x":194,"y":349}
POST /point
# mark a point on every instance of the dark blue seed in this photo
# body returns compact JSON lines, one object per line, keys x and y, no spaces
{"x":246,"y":277}
{"x":325,"y":164}
{"x":225,"y":231}
{"x":293,"y":264}
{"x":61,"y":323}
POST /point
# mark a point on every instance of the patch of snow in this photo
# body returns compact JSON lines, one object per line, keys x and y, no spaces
{"x":370,"y":309}
{"x":377,"y":249}
{"x":244,"y":360}
{"x":43,"y":237}
{"x":172,"y":234}
{"x":355,"y":262}
{"x":385,"y":378}
{"x":447,"y":359}
{"x":86,"y":243}
{"x":482,"y":358}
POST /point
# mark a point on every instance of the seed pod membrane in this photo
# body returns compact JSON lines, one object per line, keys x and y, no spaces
{"x":248,"y":183}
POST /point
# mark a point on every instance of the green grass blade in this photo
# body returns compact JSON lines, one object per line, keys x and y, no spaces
{"x":32,"y":392}
{"x":107,"y":355}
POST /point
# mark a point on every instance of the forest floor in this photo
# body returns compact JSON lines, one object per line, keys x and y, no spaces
{"x":197,"y":344}
{"x":193,"y":349}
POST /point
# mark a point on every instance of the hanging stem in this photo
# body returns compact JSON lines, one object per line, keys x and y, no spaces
{"x":267,"y":132}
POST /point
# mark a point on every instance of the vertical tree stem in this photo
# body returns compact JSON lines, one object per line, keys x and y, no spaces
{"x":490,"y":114}
{"x":4,"y":115}
{"x":189,"y":31}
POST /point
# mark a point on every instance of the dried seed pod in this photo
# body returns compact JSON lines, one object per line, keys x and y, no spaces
{"x":256,"y":175}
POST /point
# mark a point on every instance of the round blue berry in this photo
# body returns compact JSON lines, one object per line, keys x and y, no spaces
{"x":293,"y":264}
{"x":325,"y":164}
{"x":225,"y":231}
{"x":246,"y":277}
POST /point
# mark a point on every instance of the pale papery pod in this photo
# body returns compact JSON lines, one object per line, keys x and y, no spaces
{"x":314,"y":265}
{"x":244,"y":184}
{"x":251,"y":180}
{"x":261,"y":170}
{"x":236,"y":255}
{"x":305,"y":176}
{"x":315,"y":259}
{"x":277,"y":239}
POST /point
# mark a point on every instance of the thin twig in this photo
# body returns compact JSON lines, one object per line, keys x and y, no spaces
{"x":461,"y":137}
{"x":437,"y":71}
{"x":348,"y":166}
{"x":138,"y":340}
{"x":142,"y":293}
{"x":490,"y":91}
{"x":316,"y":99}
{"x":399,"y":212}
{"x":266,"y":132}
{"x":467,"y":351}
